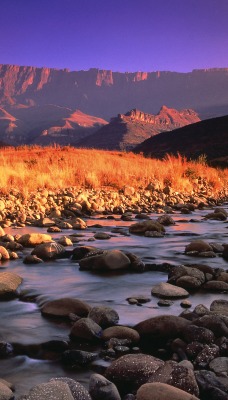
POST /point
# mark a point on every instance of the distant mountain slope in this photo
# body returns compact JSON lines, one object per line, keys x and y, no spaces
{"x":45,"y":125}
{"x":105,"y":93}
{"x":209,"y":137}
{"x":127,"y":130}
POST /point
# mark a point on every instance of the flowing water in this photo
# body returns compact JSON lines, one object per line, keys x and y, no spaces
{"x":23,"y":325}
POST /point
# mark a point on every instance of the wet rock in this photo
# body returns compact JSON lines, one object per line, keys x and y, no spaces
{"x":195,"y":333}
{"x":161,"y":327}
{"x":77,"y":358}
{"x":65,"y":241}
{"x":54,"y":229}
{"x":210,"y":386}
{"x":185,"y":304}
{"x":80,"y":252}
{"x":6,"y":350}
{"x":216,"y":286}
{"x":223,"y":277}
{"x":141,"y":227}
{"x":164,"y":303}
{"x":102,"y":236}
{"x":206,"y":356}
{"x":166,"y":290}
{"x":45,"y":222}
{"x":162,"y":391}
{"x":216,"y":247}
{"x":193,"y":349}
{"x":130,"y":371}
{"x":136,"y":263}
{"x":140,"y":299}
{"x":166,"y":220}
{"x":218,"y":216}
{"x":188,"y":282}
{"x":79,"y":224}
{"x":104,"y":316}
{"x":153,"y":234}
{"x":5,"y":392}
{"x":220,"y":306}
{"x":48,"y":251}
{"x":9,"y":283}
{"x":107,"y":261}
{"x":86,"y":328}
{"x":33,"y":239}
{"x":30,"y":259}
{"x":220,"y":366}
{"x":121,"y":332}
{"x":101,"y":388}
{"x":225,"y":252}
{"x":214,"y":323}
{"x":65,"y":306}
{"x":4,"y":254}
{"x":197,"y":246}
{"x":178,"y":376}
{"x":181,"y":271}
{"x":50,"y":391}
{"x":201,"y":310}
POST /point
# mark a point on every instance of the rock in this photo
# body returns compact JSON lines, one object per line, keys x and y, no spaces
{"x":30,"y":259}
{"x":220,"y":306}
{"x":64,"y":225}
{"x":193,"y":333}
{"x":220,"y":366}
{"x":101,"y":388}
{"x":206,"y":356}
{"x":9,"y":283}
{"x":153,"y":234}
{"x":77,"y":358}
{"x":208,"y":381}
{"x":219,"y":216}
{"x":162,"y":391}
{"x":48,"y":251}
{"x":104,"y":316}
{"x":185,"y":304}
{"x":5,"y":392}
{"x":225,"y":252}
{"x":141,"y":227}
{"x":107,"y":261}
{"x":50,"y":391}
{"x":65,"y":241}
{"x":183,"y":271}
{"x":33,"y":239}
{"x":2,"y":205}
{"x":77,"y":390}
{"x":45,"y":222}
{"x":161,"y":327}
{"x":214,"y":323}
{"x":216,"y":286}
{"x":86,"y":328}
{"x":164,"y":303}
{"x":166,"y":290}
{"x":198,"y":246}
{"x":79,"y":224}
{"x":121,"y":332}
{"x":6,"y":349}
{"x":8,"y":384}
{"x":189,"y":282}
{"x":130,"y":371}
{"x":166,"y":220}
{"x":4,"y":254}
{"x":102,"y":236}
{"x":65,"y":306}
{"x":223,"y":277}
{"x":178,"y":376}
{"x":80,"y":252}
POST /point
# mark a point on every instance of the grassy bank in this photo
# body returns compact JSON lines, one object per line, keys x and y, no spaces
{"x":29,"y":168}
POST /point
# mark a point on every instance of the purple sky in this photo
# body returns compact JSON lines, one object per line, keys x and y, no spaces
{"x":122,"y":35}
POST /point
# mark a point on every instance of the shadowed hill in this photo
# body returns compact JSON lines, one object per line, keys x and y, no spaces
{"x":209,"y":137}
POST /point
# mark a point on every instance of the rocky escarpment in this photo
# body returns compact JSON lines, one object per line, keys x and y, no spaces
{"x":97,"y":92}
{"x":125,"y":131}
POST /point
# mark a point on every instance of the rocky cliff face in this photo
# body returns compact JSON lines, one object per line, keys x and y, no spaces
{"x":106,"y":93}
{"x":125,"y":131}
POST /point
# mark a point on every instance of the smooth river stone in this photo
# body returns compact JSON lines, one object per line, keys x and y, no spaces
{"x":166,"y":290}
{"x":9,"y":282}
{"x":162,"y":391}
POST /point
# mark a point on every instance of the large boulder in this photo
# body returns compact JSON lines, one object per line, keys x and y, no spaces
{"x":107,"y":261}
{"x":9,"y":283}
{"x":65,"y":306}
{"x":130,"y":371}
{"x":33,"y":239}
{"x":162,"y":391}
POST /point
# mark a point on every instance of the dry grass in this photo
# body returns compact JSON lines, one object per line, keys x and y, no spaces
{"x":29,"y":168}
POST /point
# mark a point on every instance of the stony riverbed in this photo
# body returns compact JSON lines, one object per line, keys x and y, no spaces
{"x":120,"y":295}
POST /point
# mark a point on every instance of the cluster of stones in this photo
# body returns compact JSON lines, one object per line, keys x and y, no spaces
{"x":19,"y":208}
{"x":175,"y":357}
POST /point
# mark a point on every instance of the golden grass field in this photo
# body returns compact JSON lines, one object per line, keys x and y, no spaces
{"x":29,"y":168}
